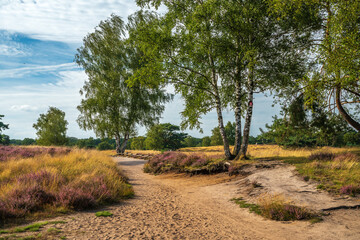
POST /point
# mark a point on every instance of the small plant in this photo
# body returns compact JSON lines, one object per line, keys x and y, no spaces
{"x":275,"y":207}
{"x":53,"y":231}
{"x":350,"y":190}
{"x":254,"y":208}
{"x":103,"y":214}
{"x":306,"y":178}
{"x":31,"y":228}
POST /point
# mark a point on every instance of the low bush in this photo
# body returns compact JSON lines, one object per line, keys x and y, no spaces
{"x":350,"y":190}
{"x":321,"y":156}
{"x":276,"y":208}
{"x":180,"y":162}
{"x":79,"y":180}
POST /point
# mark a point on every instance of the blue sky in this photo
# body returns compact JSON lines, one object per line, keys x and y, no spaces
{"x":38,"y":41}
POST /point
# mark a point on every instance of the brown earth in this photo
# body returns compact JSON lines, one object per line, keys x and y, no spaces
{"x":199,"y":207}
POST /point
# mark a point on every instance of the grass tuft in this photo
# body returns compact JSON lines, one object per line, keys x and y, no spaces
{"x":103,"y":214}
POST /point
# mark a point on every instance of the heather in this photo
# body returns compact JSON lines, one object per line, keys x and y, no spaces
{"x":11,"y":152}
{"x":275,"y":207}
{"x":336,"y":173}
{"x":188,"y":163}
{"x":52,"y":183}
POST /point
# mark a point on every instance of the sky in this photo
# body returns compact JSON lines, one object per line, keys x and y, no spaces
{"x":38,"y":41}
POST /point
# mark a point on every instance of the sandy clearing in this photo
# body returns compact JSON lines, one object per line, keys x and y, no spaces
{"x":198,"y":207}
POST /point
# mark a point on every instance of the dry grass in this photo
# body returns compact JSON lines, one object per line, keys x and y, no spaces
{"x":63,"y":181}
{"x":271,"y":151}
{"x":335,"y":174}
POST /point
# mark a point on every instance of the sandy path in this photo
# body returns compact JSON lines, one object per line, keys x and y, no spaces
{"x":176,"y":207}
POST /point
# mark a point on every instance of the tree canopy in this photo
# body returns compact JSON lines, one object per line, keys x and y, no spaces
{"x":110,"y":107}
{"x":51,"y":128}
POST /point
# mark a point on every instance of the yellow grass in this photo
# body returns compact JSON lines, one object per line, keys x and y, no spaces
{"x":76,"y":166}
{"x":270,"y":151}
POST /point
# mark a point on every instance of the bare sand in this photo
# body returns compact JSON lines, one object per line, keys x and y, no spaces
{"x":199,"y":207}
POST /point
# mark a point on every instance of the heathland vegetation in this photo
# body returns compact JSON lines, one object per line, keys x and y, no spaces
{"x":38,"y":181}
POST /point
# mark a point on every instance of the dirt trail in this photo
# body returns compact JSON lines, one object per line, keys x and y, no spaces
{"x":178,"y":207}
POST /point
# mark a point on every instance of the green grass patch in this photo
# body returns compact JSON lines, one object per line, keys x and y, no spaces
{"x":103,"y":214}
{"x":254,"y":208}
{"x":31,"y":228}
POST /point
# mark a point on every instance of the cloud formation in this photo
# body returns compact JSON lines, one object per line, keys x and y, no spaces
{"x":60,"y":20}
{"x":23,"y":71}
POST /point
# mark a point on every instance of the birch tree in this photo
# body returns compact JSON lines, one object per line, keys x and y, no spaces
{"x":110,"y":107}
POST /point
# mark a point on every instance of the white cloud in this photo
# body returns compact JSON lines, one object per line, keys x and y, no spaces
{"x":21,"y":72}
{"x":23,"y":108}
{"x":60,"y":20}
{"x":7,"y":50}
{"x":22,"y":105}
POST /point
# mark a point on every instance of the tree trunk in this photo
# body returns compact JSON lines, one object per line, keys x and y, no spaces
{"x":222,"y":129}
{"x":227,"y":152}
{"x":343,"y":113}
{"x":117,"y":142}
{"x":237,"y":143}
{"x":249,"y":111}
{"x":123,"y":144}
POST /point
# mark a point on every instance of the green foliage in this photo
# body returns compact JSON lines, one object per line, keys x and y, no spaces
{"x":4,"y":139}
{"x":216,"y":138}
{"x":301,"y":126}
{"x":111,"y":108}
{"x":352,"y":138}
{"x":51,"y":128}
{"x":103,"y":214}
{"x":164,"y":136}
{"x":206,"y":141}
{"x":105,"y":145}
{"x":25,"y":142}
{"x":138,"y":143}
{"x":190,"y":141}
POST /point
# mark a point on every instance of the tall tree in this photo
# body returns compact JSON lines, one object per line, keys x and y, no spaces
{"x":51,"y":128}
{"x":334,"y":80}
{"x":218,"y":53}
{"x":182,"y":49}
{"x":110,"y":107}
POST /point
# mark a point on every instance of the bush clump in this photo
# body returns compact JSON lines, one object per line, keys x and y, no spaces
{"x":180,"y":162}
{"x":350,"y":190}
{"x":322,"y":156}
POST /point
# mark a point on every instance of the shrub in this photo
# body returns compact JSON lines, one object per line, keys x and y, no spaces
{"x":75,"y":198}
{"x":179,"y":162}
{"x":29,"y":198}
{"x":105,"y":146}
{"x":276,"y":208}
{"x":321,"y":156}
{"x":350,"y":190}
